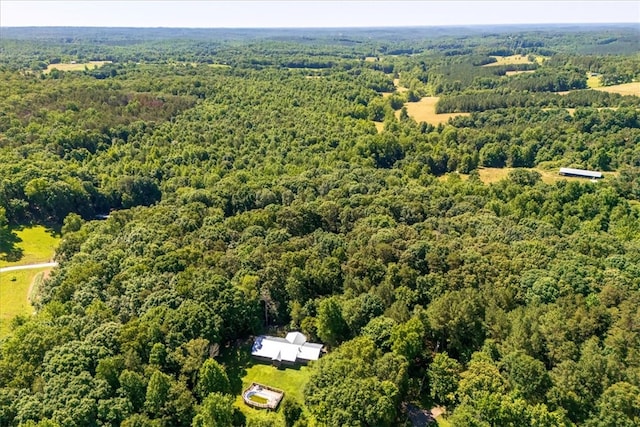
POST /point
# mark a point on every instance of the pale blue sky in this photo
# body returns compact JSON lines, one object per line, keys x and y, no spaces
{"x":231,"y":14}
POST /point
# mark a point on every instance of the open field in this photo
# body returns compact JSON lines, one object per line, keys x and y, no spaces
{"x":76,"y":67}
{"x":37,"y":245}
{"x":14,"y":298}
{"x":425,"y":111}
{"x":514,"y":73}
{"x":491,"y":175}
{"x":509,"y":60}
{"x":622,"y":89}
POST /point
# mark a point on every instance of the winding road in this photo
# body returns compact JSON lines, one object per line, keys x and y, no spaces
{"x":29,"y":266}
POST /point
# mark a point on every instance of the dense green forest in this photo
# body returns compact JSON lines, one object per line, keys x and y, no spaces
{"x":248,"y":190}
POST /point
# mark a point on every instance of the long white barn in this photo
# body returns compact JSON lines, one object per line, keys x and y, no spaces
{"x":580,"y":173}
{"x":292,"y":349}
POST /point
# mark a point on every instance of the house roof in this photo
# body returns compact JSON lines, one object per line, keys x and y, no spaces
{"x":290,"y":349}
{"x":580,"y":172}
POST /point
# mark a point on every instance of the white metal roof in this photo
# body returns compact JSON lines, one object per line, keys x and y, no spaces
{"x":580,"y":172}
{"x":280,"y":349}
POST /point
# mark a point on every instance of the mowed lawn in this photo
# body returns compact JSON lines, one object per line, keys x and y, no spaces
{"x":14,"y":298}
{"x":289,"y":380}
{"x":425,"y":111}
{"x":37,"y":243}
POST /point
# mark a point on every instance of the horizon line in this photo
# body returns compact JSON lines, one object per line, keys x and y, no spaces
{"x":522,"y":24}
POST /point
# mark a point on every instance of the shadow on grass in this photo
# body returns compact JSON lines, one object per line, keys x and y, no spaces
{"x":236,"y":359}
{"x":9,"y":251}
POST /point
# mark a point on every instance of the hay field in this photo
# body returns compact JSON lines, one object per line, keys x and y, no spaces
{"x":622,"y":89}
{"x":491,"y":175}
{"x":513,"y":73}
{"x":76,"y":67}
{"x":509,"y":60}
{"x":425,"y":111}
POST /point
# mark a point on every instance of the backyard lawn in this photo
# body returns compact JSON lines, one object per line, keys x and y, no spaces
{"x":36,"y":244}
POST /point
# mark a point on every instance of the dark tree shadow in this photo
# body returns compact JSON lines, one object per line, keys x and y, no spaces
{"x":9,"y":251}
{"x":236,"y":359}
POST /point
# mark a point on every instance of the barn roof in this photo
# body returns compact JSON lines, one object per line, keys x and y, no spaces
{"x":580,"y":172}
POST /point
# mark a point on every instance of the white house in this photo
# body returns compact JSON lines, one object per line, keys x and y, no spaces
{"x":292,"y":349}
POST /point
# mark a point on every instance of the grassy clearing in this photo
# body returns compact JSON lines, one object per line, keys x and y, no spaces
{"x":425,"y":111}
{"x":513,"y":73}
{"x":219,"y":65}
{"x":37,"y":244}
{"x":491,"y":175}
{"x":14,"y":293}
{"x":509,"y":60}
{"x":76,"y":66}
{"x":593,"y":82}
{"x":622,"y":89}
{"x":379,"y":126}
{"x":289,"y":380}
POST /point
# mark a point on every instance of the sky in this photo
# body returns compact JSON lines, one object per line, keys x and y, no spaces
{"x":281,"y":14}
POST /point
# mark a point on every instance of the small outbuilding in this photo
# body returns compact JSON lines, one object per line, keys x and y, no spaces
{"x":580,"y":173}
{"x":290,"y":350}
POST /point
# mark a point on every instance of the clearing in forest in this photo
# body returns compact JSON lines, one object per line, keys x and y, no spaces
{"x":425,"y":111}
{"x":35,"y":245}
{"x":623,"y":89}
{"x":491,"y":175}
{"x":509,"y":60}
{"x":513,"y":73}
{"x":72,"y":66}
